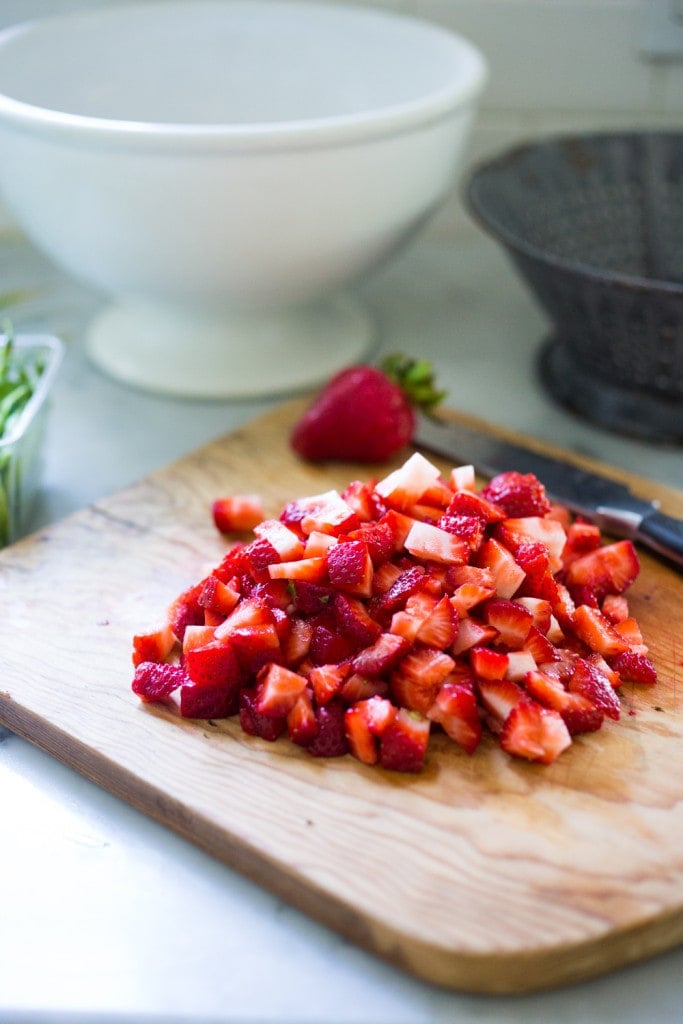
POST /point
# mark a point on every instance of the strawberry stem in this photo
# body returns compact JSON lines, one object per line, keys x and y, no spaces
{"x":415,"y":377}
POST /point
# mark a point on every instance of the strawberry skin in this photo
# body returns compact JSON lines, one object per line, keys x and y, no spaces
{"x":360,"y":416}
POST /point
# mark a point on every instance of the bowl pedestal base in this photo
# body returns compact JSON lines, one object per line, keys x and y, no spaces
{"x":200,"y":354}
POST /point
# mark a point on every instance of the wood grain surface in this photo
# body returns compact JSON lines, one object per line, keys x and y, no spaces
{"x":482,"y":873}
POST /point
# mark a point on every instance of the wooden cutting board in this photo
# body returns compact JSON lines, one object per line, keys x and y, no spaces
{"x":482,"y":873}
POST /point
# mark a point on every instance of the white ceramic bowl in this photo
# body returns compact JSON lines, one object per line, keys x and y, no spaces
{"x":223,"y":171}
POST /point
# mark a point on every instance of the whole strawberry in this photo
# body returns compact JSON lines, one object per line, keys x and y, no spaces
{"x":365,"y":413}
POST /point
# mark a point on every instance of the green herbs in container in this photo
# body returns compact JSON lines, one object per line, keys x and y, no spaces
{"x":28,"y":365}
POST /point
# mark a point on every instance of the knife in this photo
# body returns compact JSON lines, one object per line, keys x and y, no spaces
{"x":606,"y":502}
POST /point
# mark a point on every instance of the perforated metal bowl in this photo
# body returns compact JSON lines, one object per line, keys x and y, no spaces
{"x":594,"y":224}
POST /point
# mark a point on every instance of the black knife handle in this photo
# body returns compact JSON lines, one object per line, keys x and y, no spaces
{"x":663,"y":534}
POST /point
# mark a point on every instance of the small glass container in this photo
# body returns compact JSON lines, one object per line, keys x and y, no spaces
{"x":21,"y":446}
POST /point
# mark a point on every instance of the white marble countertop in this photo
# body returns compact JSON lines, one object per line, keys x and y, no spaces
{"x":108,"y":917}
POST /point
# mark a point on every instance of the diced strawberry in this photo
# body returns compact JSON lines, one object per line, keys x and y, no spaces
{"x":539,"y":581}
{"x":456,"y":710}
{"x":308,"y":570}
{"x":403,"y":744}
{"x":469,"y":503}
{"x":328,"y":643}
{"x":554,"y":633}
{"x":635,"y":668}
{"x":302,"y":724}
{"x":357,"y":687}
{"x":582,"y":536}
{"x":418,"y":608}
{"x":408,"y":582}
{"x":423,"y":513}
{"x":362,"y":744}
{"x":208,"y":700}
{"x":615,"y":607}
{"x":417,"y":680}
{"x":519,"y":663}
{"x":590,"y":682}
{"x":233,"y":564}
{"x":326,"y":681}
{"x":440,"y":628}
{"x":384,"y":577}
{"x":438,"y":496}
{"x":579,"y":713}
{"x":379,"y":713}
{"x":276,"y":594}
{"x":318,"y":544}
{"x":535,"y":733}
{"x":248,"y":612}
{"x":487,"y":663}
{"x":215,"y":662}
{"x":468,"y":596}
{"x":397,"y":525}
{"x":540,"y":647}
{"x":287,"y":543}
{"x":255,"y":646}
{"x":155,"y":681}
{"x":540,"y":611}
{"x":380,"y":539}
{"x":255,"y":724}
{"x":507,"y":574}
{"x":512,"y":621}
{"x":499,"y":697}
{"x":282,"y":623}
{"x":606,"y":570}
{"x":471,"y":633}
{"x":458,"y":575}
{"x":297,"y":643}
{"x":218,"y":596}
{"x":597,"y":632}
{"x":406,"y":485}
{"x":310,"y":598}
{"x":629,"y":630}
{"x":360,"y":497}
{"x":259,"y":554}
{"x":518,"y":494}
{"x":467,"y":527}
{"x":535,"y":530}
{"x":237,"y":512}
{"x":462,"y":478}
{"x":153,"y":646}
{"x":354,"y":619}
{"x":350,"y":569}
{"x":561,"y":513}
{"x":277,"y":691}
{"x":186,"y":611}
{"x":327,"y":513}
{"x":381,"y":656}
{"x":563,"y":607}
{"x":365,"y":722}
{"x":432,"y":544}
{"x":610,"y":674}
{"x":198,"y":636}
{"x":330,"y":739}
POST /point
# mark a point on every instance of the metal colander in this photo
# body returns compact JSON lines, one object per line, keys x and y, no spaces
{"x":594,"y":224}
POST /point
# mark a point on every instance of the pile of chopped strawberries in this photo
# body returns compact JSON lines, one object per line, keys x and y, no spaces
{"x":363,"y":622}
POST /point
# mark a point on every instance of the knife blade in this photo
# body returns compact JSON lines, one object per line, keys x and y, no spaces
{"x":610,"y":504}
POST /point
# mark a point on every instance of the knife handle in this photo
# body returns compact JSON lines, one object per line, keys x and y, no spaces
{"x":663,"y":534}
